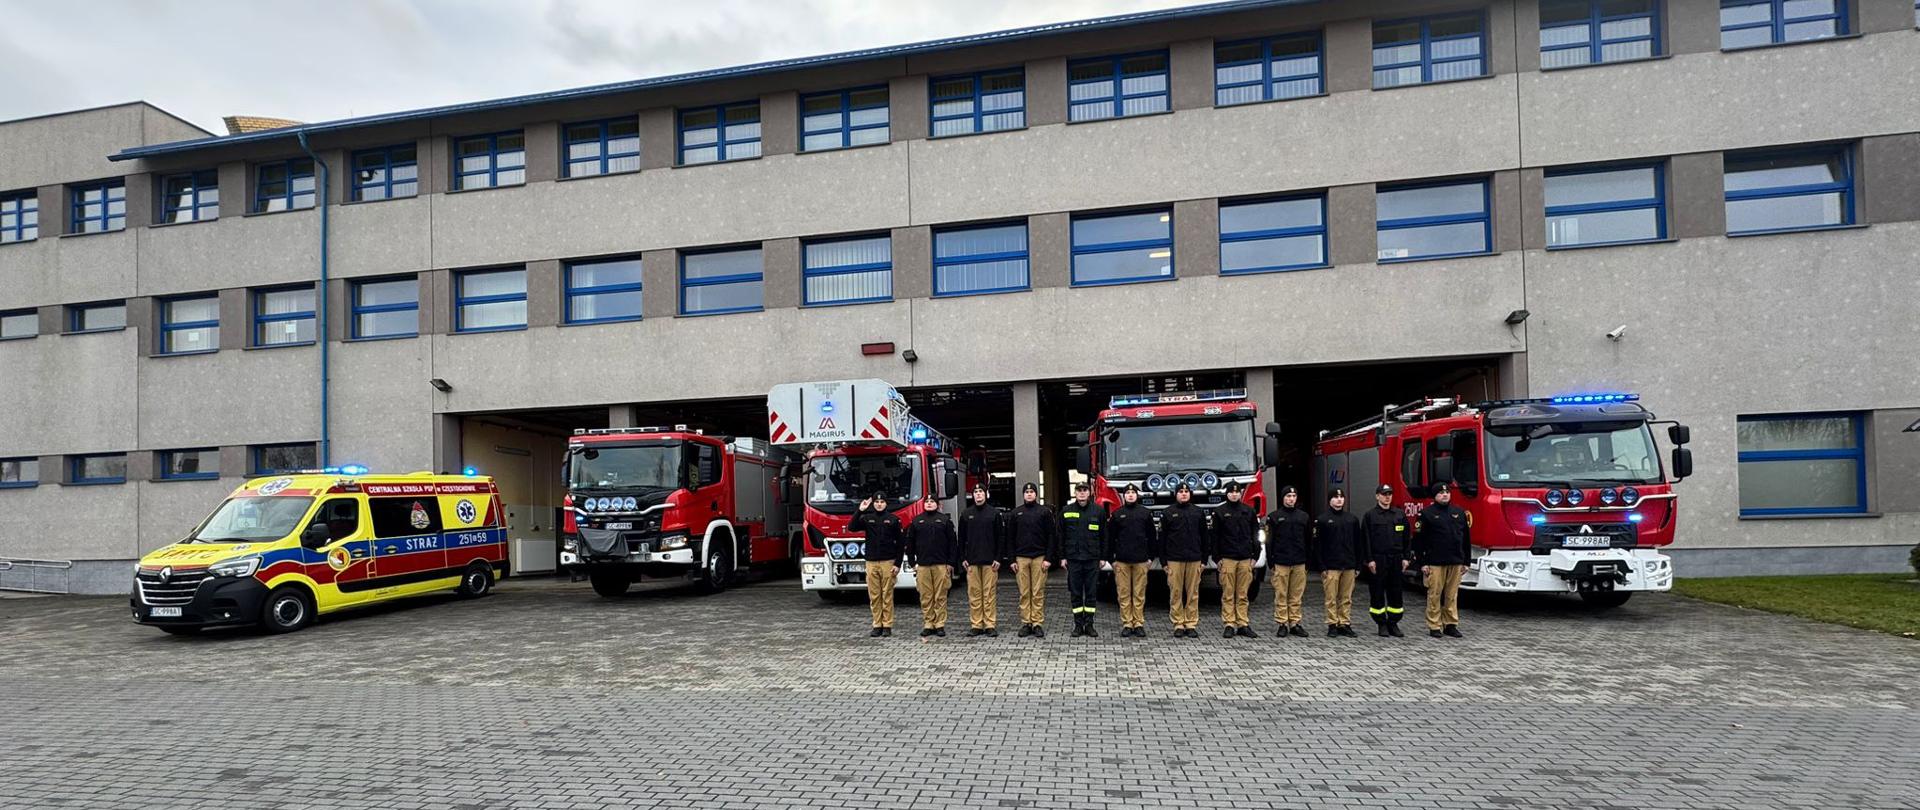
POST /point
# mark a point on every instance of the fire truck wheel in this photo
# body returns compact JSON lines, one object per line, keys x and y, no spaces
{"x":1602,"y":600}
{"x":287,"y":609}
{"x":476,"y":581}
{"x":610,"y":583}
{"x":719,"y":569}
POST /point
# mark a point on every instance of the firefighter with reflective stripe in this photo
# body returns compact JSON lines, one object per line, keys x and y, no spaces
{"x":1389,"y":553}
{"x":883,"y":531}
{"x":1082,"y":547}
{"x":1442,"y":546}
{"x":932,"y":549}
{"x":983,"y":545}
{"x":1288,"y":533}
{"x":1033,"y":530}
{"x":1338,"y":550}
{"x":1130,"y":548}
{"x":1183,"y":553}
{"x":1234,"y":543}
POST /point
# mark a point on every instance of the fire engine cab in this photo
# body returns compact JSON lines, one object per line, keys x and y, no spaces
{"x":1564,"y":495}
{"x":1204,"y":439}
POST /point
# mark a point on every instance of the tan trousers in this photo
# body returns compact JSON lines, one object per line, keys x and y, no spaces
{"x":1289,"y":587}
{"x":1130,"y":584}
{"x":880,"y":579}
{"x":1236,"y":576}
{"x":983,"y":587}
{"x":933,"y":582}
{"x":1183,"y":594}
{"x":1339,"y":587}
{"x":1031,"y":575}
{"x":1443,"y":595}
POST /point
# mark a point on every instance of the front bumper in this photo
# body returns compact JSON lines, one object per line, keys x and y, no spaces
{"x":823,"y":574}
{"x":217,"y":602}
{"x":1567,"y":570}
{"x":678,"y":562}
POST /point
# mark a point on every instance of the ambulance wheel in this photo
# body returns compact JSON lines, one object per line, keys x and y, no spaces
{"x":1602,"y":600}
{"x":287,"y":609}
{"x":718,"y":571}
{"x":476,"y":581}
{"x":610,"y":583}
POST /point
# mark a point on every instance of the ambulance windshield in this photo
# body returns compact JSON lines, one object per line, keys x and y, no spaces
{"x":252,"y":519}
{"x":1572,"y":454}
{"x":648,"y":466}
{"x":1221,"y":446}
{"x":838,"y":483}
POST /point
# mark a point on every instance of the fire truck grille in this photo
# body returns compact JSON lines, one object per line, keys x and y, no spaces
{"x":177,"y":590}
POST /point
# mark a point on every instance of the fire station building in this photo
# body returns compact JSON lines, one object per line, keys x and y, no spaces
{"x":1335,"y":205}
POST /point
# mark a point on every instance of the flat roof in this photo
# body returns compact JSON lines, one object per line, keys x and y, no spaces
{"x":759,"y":68}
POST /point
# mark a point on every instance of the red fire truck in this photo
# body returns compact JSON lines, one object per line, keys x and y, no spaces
{"x":669,"y":502}
{"x":1205,"y":439}
{"x":1565,"y":494}
{"x":859,"y":440}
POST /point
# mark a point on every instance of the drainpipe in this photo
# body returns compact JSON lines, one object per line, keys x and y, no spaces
{"x":320,"y":324}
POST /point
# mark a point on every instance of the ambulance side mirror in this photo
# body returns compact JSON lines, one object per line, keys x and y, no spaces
{"x":1679,"y":434}
{"x":1083,"y":459}
{"x":315,"y":536}
{"x":1682,"y":463}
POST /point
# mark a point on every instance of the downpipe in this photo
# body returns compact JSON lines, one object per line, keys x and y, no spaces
{"x":320,"y":331}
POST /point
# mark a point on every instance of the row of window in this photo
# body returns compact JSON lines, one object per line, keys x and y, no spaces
{"x":192,"y":464}
{"x":101,"y":207}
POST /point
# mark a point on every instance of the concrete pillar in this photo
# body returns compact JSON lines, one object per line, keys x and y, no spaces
{"x":657,"y":140}
{"x":446,"y":443}
{"x":1876,"y":16}
{"x":1506,"y":211}
{"x":55,"y":216}
{"x":1190,"y":74}
{"x":1349,"y":55}
{"x":1501,"y":41}
{"x":1693,"y":26}
{"x":436,"y":302}
{"x":142,"y":466}
{"x":1351,"y":225}
{"x":1512,"y":370}
{"x":339,"y":310}
{"x":1889,"y":178}
{"x":659,"y":277}
{"x":1266,"y":409}
{"x":141,"y":197}
{"x":435,"y":166}
{"x":542,"y":144}
{"x":623,"y":416}
{"x":1047,"y":92}
{"x":1698,"y":185}
{"x":53,"y":319}
{"x":907,"y":115}
{"x":912,"y":263}
{"x":780,"y":123}
{"x":1026,"y":436}
{"x":1533,"y":209}
{"x":780,"y":273}
{"x":1196,"y":238}
{"x":236,"y":327}
{"x":1050,"y":250}
{"x":339,"y":173}
{"x":543,"y":294}
{"x":234,"y":461}
{"x":1526,"y":18}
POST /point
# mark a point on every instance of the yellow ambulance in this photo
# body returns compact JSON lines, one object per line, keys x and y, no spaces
{"x":284,"y":549}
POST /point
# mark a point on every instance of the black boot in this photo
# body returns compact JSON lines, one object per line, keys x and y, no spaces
{"x":1091,"y":633}
{"x":926,"y":632}
{"x":1079,"y":627}
{"x":1039,"y":632}
{"x":1026,"y":630}
{"x":1393,"y":626}
{"x":975,"y":631}
{"x":992,"y":632}
{"x":1227,"y":632}
{"x":1347,"y":630}
{"x":1280,"y":632}
{"x":940,"y":632}
{"x":1434,"y":633}
{"x":1246,"y":632}
{"x":886,"y":631}
{"x":1333,"y":631}
{"x":1299,"y":631}
{"x":875,"y":633}
{"x":1452,"y":630}
{"x":1381,"y":622}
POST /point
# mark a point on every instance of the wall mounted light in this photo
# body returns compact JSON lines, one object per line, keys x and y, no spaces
{"x":440,"y":385}
{"x":1517,"y":317}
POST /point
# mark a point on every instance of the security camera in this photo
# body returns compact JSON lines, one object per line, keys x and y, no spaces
{"x":1618,"y":332}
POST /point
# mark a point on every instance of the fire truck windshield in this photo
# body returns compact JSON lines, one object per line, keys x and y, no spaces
{"x":1569,"y":454}
{"x":252,"y":519}
{"x":1221,"y":446}
{"x":643,"y":466}
{"x":838,"y":483}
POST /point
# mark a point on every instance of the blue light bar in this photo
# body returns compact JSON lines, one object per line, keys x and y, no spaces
{"x":469,"y":470}
{"x":826,"y":406}
{"x":1537,"y":519}
{"x":1593,"y":399}
{"x":918,"y":433}
{"x":1636,"y":517}
{"x":353,"y":469}
{"x":1132,"y":400}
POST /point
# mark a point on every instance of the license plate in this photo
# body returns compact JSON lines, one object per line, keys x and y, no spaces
{"x":619,"y":527}
{"x":1588,"y":541}
{"x":164,"y":612}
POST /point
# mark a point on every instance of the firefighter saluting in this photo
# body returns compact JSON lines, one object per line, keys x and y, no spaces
{"x":1389,"y":554}
{"x":883,"y":530}
{"x":1442,"y":545}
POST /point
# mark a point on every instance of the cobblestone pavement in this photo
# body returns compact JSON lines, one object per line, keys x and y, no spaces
{"x":546,"y":696}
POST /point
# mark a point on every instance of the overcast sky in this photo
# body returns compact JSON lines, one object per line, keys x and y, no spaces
{"x":316,"y":61}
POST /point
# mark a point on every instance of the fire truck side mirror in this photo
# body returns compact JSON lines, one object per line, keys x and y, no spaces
{"x":1272,"y":429}
{"x":1270,"y":451}
{"x":950,"y":485}
{"x":1444,"y":444}
{"x":1443,"y":467}
{"x":1682,"y":463}
{"x":1679,"y":434}
{"x":1083,"y":459}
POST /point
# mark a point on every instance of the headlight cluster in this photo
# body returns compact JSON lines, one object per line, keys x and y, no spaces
{"x":243,"y":567}
{"x":813,"y":568}
{"x":609,"y":504}
{"x":1629,"y":496}
{"x":1571,"y":497}
{"x":847,"y":550}
{"x":1516,"y":568}
{"x":674,"y":542}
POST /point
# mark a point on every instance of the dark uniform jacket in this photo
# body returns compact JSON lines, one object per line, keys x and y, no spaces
{"x":983,"y":534}
{"x":1442,"y":536}
{"x":931,"y":540}
{"x":883,"y":531}
{"x":1236,"y":532}
{"x":1388,"y":534}
{"x":1082,"y":532}
{"x":1183,"y":534}
{"x":1337,"y":543}
{"x":1288,"y":532}
{"x":1033,"y":529}
{"x":1130,"y":534}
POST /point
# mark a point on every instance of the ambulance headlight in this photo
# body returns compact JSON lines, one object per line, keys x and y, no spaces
{"x":1155,"y":482}
{"x":243,"y":567}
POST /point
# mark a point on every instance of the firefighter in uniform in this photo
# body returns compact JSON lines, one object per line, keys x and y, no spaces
{"x":883,"y":531}
{"x":1130,"y":545}
{"x":1183,"y":554}
{"x":983,"y":544}
{"x":932,"y":549}
{"x":1032,"y":529}
{"x":1082,"y":549}
{"x":1338,"y":549}
{"x":1388,"y":556}
{"x":1442,"y":545}
{"x":1235,"y":542}
{"x":1288,"y":528}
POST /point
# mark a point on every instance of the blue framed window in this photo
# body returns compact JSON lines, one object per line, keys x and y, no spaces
{"x":19,"y":324}
{"x":1802,"y":464}
{"x":19,"y":217}
{"x":490,"y":300}
{"x":98,"y":207}
{"x":190,"y":197}
{"x":714,"y":134}
{"x":981,"y":259}
{"x":1117,"y":87}
{"x":279,"y":459}
{"x":284,"y":186}
{"x":490,"y":161}
{"x":386,"y":173}
{"x":1431,"y":49}
{"x":1434,"y":220}
{"x":105,"y":316}
{"x":1774,"y":191}
{"x":1269,"y":69}
{"x":1123,"y":248}
{"x":603,"y":147}
{"x":283,"y":317}
{"x":99,"y":468}
{"x":386,"y":308}
{"x":603,"y":290}
{"x":1262,"y":236}
{"x":1751,"y":23}
{"x":200,"y":464}
{"x":721,"y":281}
{"x":983,"y":102}
{"x":855,"y":270}
{"x":190,"y":325}
{"x":1590,"y":32}
{"x":19,"y":473}
{"x":1606,"y":206}
{"x":847,"y":118}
